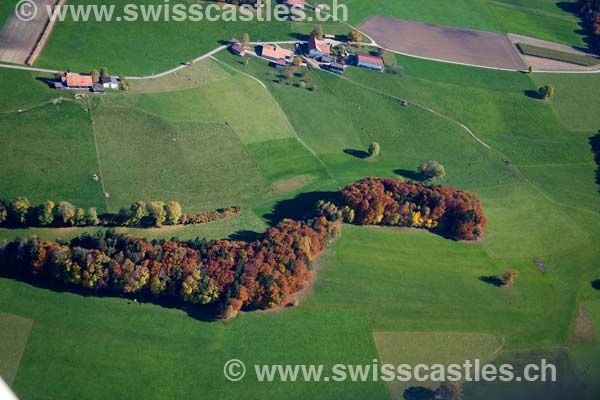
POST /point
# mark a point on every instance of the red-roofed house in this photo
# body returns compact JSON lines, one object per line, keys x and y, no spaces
{"x":79,"y":81}
{"x":275,"y":53}
{"x":318,"y":48}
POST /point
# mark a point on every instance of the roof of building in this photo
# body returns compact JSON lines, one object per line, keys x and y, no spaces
{"x":274,"y":51}
{"x":97,"y":87}
{"x":329,"y":36}
{"x":336,"y":65}
{"x":321,"y":46}
{"x":238,"y":48}
{"x":108,"y":79}
{"x":295,"y":3}
{"x":363,"y":58}
{"x":77,"y":80}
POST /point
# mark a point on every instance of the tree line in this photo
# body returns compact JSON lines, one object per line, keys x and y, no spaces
{"x":20,"y":213}
{"x":228,"y":273}
{"x":383,"y":201}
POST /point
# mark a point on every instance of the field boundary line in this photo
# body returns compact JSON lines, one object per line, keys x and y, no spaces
{"x":98,"y":157}
{"x":285,"y":117}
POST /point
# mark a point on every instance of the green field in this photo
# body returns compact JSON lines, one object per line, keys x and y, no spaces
{"x":211,"y":136}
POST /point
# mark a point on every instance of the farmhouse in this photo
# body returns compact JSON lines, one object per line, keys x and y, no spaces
{"x":318,"y":48}
{"x":369,"y":62}
{"x":76,"y":81}
{"x":109,"y":82}
{"x":276,"y":53}
{"x":295,"y":3}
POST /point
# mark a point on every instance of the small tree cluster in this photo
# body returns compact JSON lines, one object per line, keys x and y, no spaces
{"x":20,"y":213}
{"x":384,"y":201}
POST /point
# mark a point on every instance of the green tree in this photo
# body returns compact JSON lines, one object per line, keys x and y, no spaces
{"x":137,"y":212}
{"x":173,"y":213}
{"x":374,"y":149}
{"x":3,"y":211}
{"x":297,"y":61}
{"x":156,"y":212}
{"x":317,"y":32}
{"x":103,"y":72}
{"x":355,"y":36}
{"x":19,"y":210}
{"x":66,"y":213}
{"x":91,"y":217}
{"x":45,"y":213}
{"x":80,"y":217}
{"x":546,"y":91}
{"x":432,"y":169}
{"x":245,"y":40}
{"x":95,"y":76}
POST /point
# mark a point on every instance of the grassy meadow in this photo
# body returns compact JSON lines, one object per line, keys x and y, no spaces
{"x":211,"y":136}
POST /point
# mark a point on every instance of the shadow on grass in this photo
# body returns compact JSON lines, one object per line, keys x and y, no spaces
{"x":206,"y":313}
{"x":595,"y":145}
{"x":413,"y":175}
{"x":492,"y":280}
{"x":301,"y":207}
{"x":244,"y":235}
{"x":596,"y":284}
{"x":356,"y":153}
{"x":533,"y":94}
{"x":587,"y":28}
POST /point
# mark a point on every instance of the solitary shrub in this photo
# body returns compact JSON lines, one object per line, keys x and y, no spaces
{"x":374,"y":149}
{"x":317,"y":32}
{"x":509,"y":277}
{"x":432,"y":169}
{"x":95,"y":76}
{"x":546,"y":91}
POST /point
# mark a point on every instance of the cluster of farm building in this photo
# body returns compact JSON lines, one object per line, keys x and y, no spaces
{"x":326,"y":53}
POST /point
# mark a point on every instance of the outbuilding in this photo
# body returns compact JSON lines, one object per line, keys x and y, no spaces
{"x":369,"y":62}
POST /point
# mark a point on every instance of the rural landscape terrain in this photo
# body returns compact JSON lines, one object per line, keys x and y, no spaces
{"x":416,"y":184}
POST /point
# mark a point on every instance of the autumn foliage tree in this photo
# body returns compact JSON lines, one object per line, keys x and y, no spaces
{"x":384,"y":201}
{"x":230,"y":274}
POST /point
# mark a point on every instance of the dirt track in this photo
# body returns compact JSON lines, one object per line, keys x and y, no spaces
{"x":19,"y":38}
{"x":444,"y":43}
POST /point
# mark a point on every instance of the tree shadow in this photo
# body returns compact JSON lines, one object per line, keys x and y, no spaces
{"x":413,"y":175}
{"x":357,"y":153}
{"x":492,"y":280}
{"x":47,"y":81}
{"x":534,"y":94}
{"x":587,"y":29}
{"x":595,"y":144}
{"x":596,"y":284}
{"x":301,"y":207}
{"x":244,"y":235}
{"x":206,"y":313}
